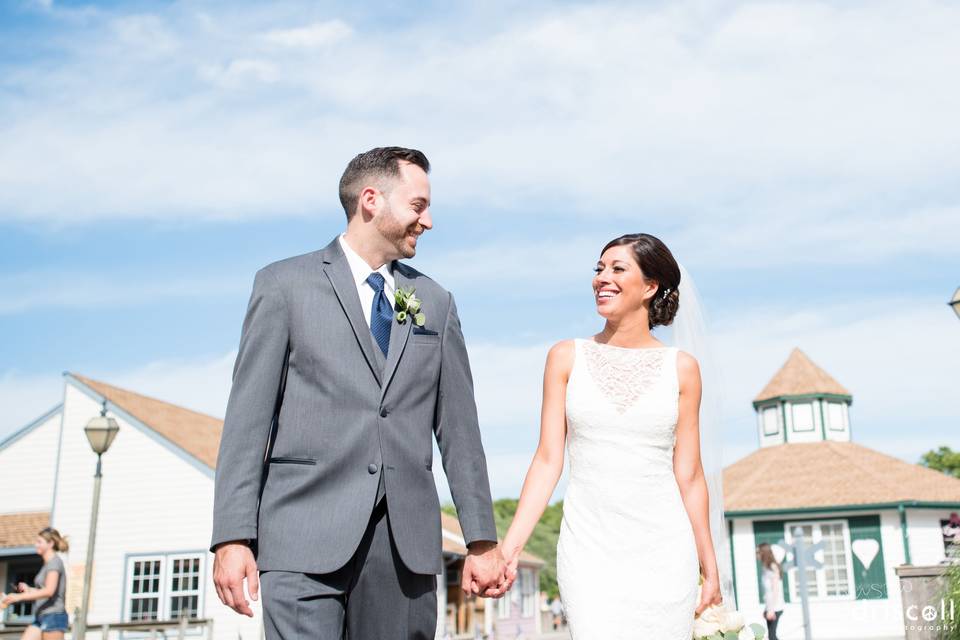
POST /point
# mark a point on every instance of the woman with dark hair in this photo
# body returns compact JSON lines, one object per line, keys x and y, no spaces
{"x":48,"y":590}
{"x":772,"y":580}
{"x":635,"y":535}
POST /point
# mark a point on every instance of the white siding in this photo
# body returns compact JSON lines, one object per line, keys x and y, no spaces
{"x":153,"y":500}
{"x":29,"y":464}
{"x":926,"y":538}
{"x":837,"y":619}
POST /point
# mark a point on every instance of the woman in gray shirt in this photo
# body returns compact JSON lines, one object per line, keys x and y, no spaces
{"x":49,"y":587}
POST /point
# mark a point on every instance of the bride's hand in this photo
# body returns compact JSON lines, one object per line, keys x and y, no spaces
{"x":709,"y":594}
{"x":511,"y":556}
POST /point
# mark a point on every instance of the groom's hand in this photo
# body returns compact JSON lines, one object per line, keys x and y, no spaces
{"x":484,"y":571}
{"x":232,"y":563}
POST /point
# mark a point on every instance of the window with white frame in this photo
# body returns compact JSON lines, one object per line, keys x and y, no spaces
{"x":835,"y":416}
{"x":528,"y":592}
{"x":802,"y":416}
{"x":771,"y":421}
{"x":834,"y":579}
{"x":164,"y":586}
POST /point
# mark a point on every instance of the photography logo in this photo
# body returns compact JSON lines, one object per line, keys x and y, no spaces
{"x":930,"y":617}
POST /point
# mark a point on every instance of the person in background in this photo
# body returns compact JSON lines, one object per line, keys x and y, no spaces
{"x":50,"y":585}
{"x":772,"y":589}
{"x":556,"y":608}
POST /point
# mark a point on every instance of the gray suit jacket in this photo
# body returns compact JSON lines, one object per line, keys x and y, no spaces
{"x":316,"y":413}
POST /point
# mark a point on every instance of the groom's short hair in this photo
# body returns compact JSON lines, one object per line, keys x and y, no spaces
{"x":377,"y":165}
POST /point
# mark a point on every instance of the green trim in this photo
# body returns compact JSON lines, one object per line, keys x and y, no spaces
{"x":906,"y":504}
{"x":733,"y":565}
{"x":904,"y":534}
{"x":783,"y":412}
{"x":823,"y":421}
{"x":802,"y":396}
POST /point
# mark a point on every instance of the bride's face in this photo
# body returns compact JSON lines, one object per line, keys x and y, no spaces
{"x":619,"y":286}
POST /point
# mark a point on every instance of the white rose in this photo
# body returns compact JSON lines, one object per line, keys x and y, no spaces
{"x":732,"y":621}
{"x":745,"y":634}
{"x":703,"y":628}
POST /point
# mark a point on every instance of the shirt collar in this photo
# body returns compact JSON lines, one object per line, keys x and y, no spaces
{"x":359,"y":267}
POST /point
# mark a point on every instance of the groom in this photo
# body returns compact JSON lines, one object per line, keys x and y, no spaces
{"x":324,"y":480}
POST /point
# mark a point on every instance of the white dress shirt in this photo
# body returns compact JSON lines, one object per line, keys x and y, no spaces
{"x":361,"y":271}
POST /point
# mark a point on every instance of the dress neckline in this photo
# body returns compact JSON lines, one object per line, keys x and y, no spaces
{"x":613,"y":346}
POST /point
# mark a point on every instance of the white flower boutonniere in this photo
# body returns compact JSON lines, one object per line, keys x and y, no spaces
{"x":408,"y":304}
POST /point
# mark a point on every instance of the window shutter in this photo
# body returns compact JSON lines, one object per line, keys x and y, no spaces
{"x":870,"y":580}
{"x":771,"y":532}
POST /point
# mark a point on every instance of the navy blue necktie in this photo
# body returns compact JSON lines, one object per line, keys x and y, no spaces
{"x":381,"y":313}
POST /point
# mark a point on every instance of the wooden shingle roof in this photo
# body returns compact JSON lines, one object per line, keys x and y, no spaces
{"x":829,"y":474}
{"x":20,"y":529}
{"x":800,"y":376}
{"x":196,"y":433}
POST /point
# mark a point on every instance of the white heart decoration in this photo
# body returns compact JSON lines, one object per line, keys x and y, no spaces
{"x":779,"y":553}
{"x":865,"y":550}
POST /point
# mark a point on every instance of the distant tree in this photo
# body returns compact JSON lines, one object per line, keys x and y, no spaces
{"x":943,"y":459}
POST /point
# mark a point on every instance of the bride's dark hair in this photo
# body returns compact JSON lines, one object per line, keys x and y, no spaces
{"x":658,"y":264}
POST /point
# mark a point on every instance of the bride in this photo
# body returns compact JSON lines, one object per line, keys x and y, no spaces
{"x":635,"y":536}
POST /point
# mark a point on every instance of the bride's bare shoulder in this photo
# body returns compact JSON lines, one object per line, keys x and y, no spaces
{"x":688,"y":369}
{"x":560,"y":357}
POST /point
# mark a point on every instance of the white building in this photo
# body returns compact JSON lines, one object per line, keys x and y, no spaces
{"x":874,"y":511}
{"x":151,"y":563}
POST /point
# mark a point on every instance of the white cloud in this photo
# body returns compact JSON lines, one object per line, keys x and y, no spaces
{"x":318,"y":34}
{"x":828,"y":127}
{"x":240,"y":72}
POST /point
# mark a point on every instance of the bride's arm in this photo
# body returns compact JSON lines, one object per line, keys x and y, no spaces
{"x":547,"y":464}
{"x":690,"y":478}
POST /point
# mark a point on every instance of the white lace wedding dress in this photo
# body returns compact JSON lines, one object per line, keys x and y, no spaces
{"x":626,"y":560}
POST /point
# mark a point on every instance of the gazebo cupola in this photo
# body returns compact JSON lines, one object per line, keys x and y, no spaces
{"x":802,"y":403}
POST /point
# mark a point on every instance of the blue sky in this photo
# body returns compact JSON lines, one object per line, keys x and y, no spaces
{"x":799,"y":158}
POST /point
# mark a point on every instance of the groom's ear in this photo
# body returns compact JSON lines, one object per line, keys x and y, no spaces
{"x":369,"y":202}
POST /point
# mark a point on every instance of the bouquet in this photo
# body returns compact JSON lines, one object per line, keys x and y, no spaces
{"x":717,"y":623}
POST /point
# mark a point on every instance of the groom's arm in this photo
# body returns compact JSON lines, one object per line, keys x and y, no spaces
{"x":250,"y":410}
{"x":458,"y":436}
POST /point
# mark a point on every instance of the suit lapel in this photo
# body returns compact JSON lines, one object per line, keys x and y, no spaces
{"x":340,"y":276}
{"x":399,"y":333}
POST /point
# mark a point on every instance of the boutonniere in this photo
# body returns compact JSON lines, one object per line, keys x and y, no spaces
{"x":408,"y":304}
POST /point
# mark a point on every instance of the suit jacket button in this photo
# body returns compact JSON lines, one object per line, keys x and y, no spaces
{"x":372,"y":468}
{"x":384,"y":413}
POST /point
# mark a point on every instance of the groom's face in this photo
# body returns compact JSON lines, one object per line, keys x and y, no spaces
{"x":405,"y":213}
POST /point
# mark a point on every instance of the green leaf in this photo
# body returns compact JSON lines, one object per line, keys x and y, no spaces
{"x":730,"y":635}
{"x":758,"y":631}
{"x":420,"y":319}
{"x":716,"y":636}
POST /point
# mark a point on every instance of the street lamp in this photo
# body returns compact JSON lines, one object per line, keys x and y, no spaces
{"x":955,"y":302}
{"x":100,"y":432}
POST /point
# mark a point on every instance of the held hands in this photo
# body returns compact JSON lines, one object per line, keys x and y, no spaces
{"x":484,"y":571}
{"x":233,"y":562}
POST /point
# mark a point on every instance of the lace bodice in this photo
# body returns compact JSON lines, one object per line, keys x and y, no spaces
{"x":622,"y":404}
